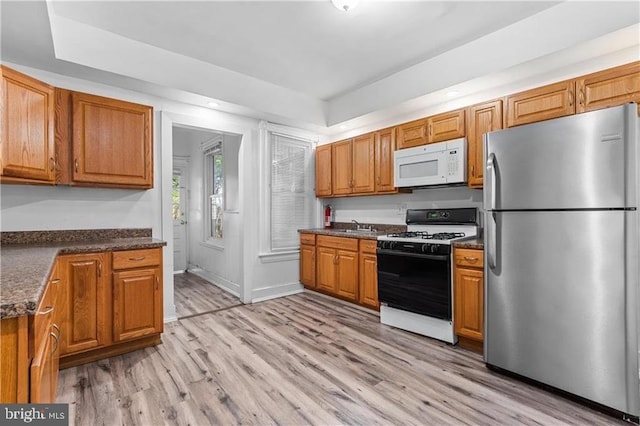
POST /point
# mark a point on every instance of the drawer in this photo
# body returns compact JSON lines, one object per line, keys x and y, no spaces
{"x":338,"y":242}
{"x":136,"y":258}
{"x":368,"y":246}
{"x":469,"y":257}
{"x":307,"y":239}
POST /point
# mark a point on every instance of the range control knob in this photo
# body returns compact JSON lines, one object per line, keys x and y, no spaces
{"x":388,"y":245}
{"x":434,"y":248}
{"x":424,"y":248}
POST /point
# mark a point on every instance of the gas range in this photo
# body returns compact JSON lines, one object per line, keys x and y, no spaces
{"x":415,"y":271}
{"x":432,"y":231}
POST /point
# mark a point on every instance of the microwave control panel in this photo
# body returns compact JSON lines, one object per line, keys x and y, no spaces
{"x":452,"y":163}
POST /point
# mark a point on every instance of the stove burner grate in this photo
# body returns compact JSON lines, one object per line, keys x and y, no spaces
{"x":428,"y":236}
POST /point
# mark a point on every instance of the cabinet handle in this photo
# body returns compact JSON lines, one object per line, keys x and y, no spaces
{"x":47,"y":310}
{"x":52,"y":163}
{"x":99,"y":268}
{"x":471,"y":259}
{"x":54,"y":325}
{"x":136,"y":259}
{"x":473,"y":171}
{"x":55,"y":281}
{"x":157,"y":282}
{"x":570,"y":97}
{"x":335,"y":260}
{"x":55,"y":348}
{"x":378,"y":181}
{"x":76,"y":164}
{"x":430,"y":129}
{"x":581,"y":96}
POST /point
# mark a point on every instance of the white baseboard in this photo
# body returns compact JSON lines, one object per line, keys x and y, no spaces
{"x":278,"y":290}
{"x":179,"y":272}
{"x":216,"y":280}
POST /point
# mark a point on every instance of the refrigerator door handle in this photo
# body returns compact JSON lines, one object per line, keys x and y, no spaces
{"x":491,"y":233}
{"x":491,"y":168}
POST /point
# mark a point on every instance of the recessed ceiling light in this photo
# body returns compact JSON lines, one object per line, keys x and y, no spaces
{"x":453,"y":93}
{"x":213,"y":104}
{"x":345,"y":5}
{"x":343,"y":126}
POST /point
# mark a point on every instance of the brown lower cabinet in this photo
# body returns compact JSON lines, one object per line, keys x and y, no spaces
{"x":340,"y":267}
{"x":468,"y":293}
{"x":95,"y":306}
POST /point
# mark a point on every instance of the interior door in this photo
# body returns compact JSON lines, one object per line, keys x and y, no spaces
{"x":178,"y":211}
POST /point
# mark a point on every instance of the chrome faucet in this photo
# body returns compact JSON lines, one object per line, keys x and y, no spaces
{"x":360,"y":227}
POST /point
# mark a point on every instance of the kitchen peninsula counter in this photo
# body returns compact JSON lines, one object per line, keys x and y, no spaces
{"x":26,"y":260}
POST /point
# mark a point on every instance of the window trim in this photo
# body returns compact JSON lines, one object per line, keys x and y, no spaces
{"x":265,"y":154}
{"x":211,"y":148}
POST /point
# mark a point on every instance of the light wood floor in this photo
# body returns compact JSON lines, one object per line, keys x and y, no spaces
{"x":194,"y":295}
{"x":304,"y":359}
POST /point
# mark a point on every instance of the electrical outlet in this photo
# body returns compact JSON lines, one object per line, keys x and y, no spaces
{"x":402,"y":209}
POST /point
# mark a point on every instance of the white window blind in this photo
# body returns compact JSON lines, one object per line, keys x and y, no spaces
{"x":291,"y":190}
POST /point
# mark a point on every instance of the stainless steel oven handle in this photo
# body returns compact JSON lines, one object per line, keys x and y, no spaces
{"x":442,"y":257}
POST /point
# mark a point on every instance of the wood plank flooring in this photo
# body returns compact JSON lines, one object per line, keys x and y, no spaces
{"x":304,"y":359}
{"x":194,"y":295}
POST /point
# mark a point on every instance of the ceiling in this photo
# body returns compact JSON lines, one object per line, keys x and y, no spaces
{"x":300,"y":62}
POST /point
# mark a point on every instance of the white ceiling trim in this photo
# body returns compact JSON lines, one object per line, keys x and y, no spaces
{"x":90,"y":46}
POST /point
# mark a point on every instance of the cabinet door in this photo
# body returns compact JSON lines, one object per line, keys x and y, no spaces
{"x":368,"y":280}
{"x":112,"y":142}
{"x":483,"y":118}
{"x":385,"y":146}
{"x":443,"y":127}
{"x":86,"y":302}
{"x":542,"y":103}
{"x":41,"y":389}
{"x":326,"y":269}
{"x":341,"y":167}
{"x":323,"y":171}
{"x":347,"y":274}
{"x":308,"y":265}
{"x":363,"y":169}
{"x":469,"y":303}
{"x":137,"y":303}
{"x":609,"y":88}
{"x":26,"y":132}
{"x":411,"y":134}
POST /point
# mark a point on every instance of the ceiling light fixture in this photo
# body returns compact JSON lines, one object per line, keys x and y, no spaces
{"x":453,"y":93}
{"x":343,"y":127}
{"x":213,"y":104}
{"x":345,"y":5}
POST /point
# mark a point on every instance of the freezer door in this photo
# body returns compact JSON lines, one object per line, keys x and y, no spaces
{"x":560,"y":306}
{"x":578,"y":162}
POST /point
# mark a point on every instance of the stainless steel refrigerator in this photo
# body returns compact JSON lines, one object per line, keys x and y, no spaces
{"x":561,"y":244}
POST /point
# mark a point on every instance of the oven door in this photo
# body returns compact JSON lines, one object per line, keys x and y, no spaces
{"x":419,"y":283}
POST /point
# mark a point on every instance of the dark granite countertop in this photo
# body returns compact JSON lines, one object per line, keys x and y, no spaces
{"x":342,"y":229}
{"x":476,"y":243}
{"x":25,"y":268}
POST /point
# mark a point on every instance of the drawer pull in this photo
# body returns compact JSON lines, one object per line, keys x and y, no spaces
{"x":137,"y":259}
{"x":54,"y":325}
{"x":56,"y":281}
{"x":48,"y":310}
{"x":471,"y":259}
{"x":99,"y":269}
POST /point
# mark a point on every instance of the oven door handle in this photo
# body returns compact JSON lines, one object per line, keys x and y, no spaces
{"x":416,"y":255}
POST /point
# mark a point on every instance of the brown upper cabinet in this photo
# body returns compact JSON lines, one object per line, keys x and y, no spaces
{"x":111,"y":141}
{"x":412,"y":134}
{"x":542,"y":103}
{"x":608,"y":88}
{"x":385,"y":146}
{"x":341,"y":163}
{"x":26,"y":132}
{"x":483,"y":118}
{"x":446,"y":126}
{"x":323,"y":171}
{"x":55,"y":136}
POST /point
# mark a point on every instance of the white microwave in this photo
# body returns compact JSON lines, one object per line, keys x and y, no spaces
{"x":438,"y":163}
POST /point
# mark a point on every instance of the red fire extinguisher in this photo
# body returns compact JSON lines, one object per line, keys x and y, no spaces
{"x":327,"y":216}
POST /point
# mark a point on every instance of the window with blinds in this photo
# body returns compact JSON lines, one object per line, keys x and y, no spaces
{"x":291,"y":190}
